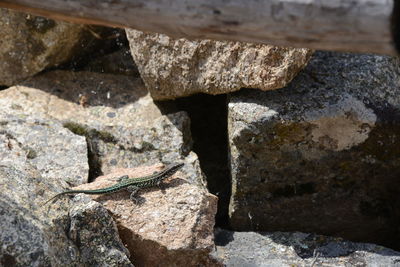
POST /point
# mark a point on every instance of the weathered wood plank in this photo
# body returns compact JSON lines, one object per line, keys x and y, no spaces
{"x":343,"y":25}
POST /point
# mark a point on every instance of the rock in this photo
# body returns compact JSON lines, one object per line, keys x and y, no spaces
{"x":92,"y":227}
{"x":83,"y":235}
{"x":298,"y":249}
{"x":31,"y":44}
{"x":22,"y":238}
{"x":320,"y":155}
{"x":53,"y":150}
{"x":122,"y":125}
{"x":173,"y":225}
{"x":82,"y":97}
{"x":173,"y":68}
{"x":35,"y":153}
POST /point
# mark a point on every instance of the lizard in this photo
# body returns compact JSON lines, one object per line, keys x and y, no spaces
{"x":131,"y":184}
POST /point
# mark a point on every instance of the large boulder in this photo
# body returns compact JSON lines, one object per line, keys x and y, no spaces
{"x":321,"y":155}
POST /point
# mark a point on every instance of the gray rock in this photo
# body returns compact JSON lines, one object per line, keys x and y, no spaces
{"x":320,"y":155}
{"x":82,"y":235}
{"x":165,"y":139}
{"x":31,"y":43}
{"x":55,"y":152}
{"x":92,"y":227}
{"x":252,"y":249}
{"x":22,"y":239}
{"x":36,"y":235}
{"x":173,"y":68}
{"x":123,"y":126}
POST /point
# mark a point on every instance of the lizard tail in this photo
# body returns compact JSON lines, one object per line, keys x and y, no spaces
{"x":45,"y":203}
{"x":63,"y":193}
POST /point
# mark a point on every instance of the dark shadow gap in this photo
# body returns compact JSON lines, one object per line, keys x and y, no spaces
{"x":208,"y":115}
{"x":105,"y":42}
{"x":91,"y":136}
{"x":395,"y":24}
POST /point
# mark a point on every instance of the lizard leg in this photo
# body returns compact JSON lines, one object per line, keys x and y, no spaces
{"x":161,"y":185}
{"x":133,"y":189}
{"x":122,"y":178}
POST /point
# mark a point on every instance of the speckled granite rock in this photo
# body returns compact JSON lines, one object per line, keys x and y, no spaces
{"x":94,"y":231}
{"x":321,"y":155}
{"x":173,"y":226}
{"x":35,"y":153}
{"x":174,"y":68}
{"x":121,"y":123}
{"x":30,"y":44}
{"x":298,"y":249}
{"x":22,"y":239}
{"x":53,"y":150}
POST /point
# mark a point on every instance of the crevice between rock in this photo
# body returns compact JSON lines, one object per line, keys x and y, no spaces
{"x":93,"y":158}
{"x":208,"y":116}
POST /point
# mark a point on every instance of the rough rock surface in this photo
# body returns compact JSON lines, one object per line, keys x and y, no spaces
{"x":172,"y":225}
{"x":52,"y":159}
{"x":29,"y":44}
{"x":122,"y":125}
{"x":298,"y":249}
{"x":32,"y":235}
{"x":320,"y":155}
{"x":173,"y":68}
{"x":93,"y":230}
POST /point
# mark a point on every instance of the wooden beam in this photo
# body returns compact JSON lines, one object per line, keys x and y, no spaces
{"x":342,"y":25}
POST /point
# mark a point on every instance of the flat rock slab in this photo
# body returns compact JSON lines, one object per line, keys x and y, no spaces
{"x":298,"y":249}
{"x":172,"y":224}
{"x":320,"y":155}
{"x":86,"y":98}
{"x":173,"y":68}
